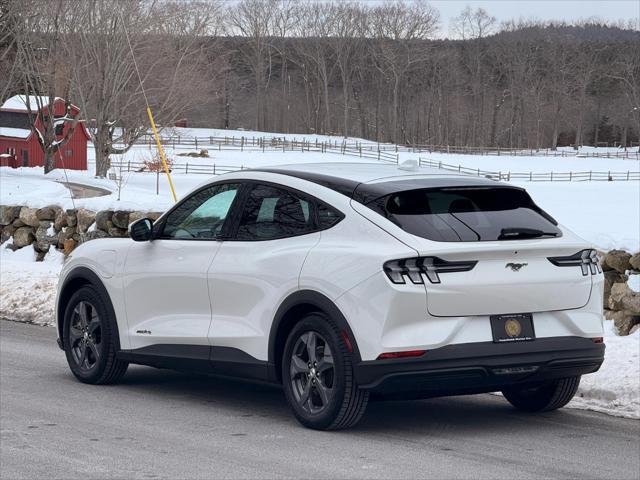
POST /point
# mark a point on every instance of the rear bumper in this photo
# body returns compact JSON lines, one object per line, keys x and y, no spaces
{"x":481,"y":367}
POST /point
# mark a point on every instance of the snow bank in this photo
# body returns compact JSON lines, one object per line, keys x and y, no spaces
{"x":27,"y":287}
{"x":615,"y":388}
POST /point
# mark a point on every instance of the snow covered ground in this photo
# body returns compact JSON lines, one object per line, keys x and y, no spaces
{"x":605,"y":213}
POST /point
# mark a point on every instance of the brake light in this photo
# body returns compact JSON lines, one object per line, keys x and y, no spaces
{"x":597,"y":340}
{"x":407,"y":354}
{"x":414,"y":268}
{"x":587,"y":260}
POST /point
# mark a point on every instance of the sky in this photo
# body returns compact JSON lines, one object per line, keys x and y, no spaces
{"x":559,"y":10}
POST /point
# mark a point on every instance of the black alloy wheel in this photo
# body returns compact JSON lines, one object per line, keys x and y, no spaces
{"x":312,"y":372}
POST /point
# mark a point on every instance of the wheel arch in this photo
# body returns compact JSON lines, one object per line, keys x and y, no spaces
{"x":291,"y":311}
{"x":76,"y":279}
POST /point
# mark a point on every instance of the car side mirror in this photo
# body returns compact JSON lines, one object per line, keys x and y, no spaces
{"x":141,"y":230}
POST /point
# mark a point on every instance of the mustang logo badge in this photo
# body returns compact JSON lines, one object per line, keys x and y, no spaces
{"x":515,"y":266}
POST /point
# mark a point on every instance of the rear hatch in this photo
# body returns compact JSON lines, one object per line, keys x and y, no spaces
{"x":518,"y":279}
{"x":502,"y":247}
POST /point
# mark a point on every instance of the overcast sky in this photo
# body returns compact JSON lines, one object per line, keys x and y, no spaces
{"x":567,"y":10}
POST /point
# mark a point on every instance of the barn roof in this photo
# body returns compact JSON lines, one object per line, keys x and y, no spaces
{"x":14,"y":132}
{"x":19,"y":102}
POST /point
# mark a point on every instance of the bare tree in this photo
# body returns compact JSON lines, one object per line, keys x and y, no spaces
{"x":313,"y":27}
{"x":9,"y":33}
{"x":399,"y":31}
{"x":44,"y":75}
{"x":346,"y":38}
{"x":168,"y":58}
{"x":254,"y":20}
{"x":627,"y":72}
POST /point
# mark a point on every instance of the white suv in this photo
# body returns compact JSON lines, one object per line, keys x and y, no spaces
{"x":341,"y":282}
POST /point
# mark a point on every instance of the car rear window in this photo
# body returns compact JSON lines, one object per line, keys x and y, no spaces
{"x":467,"y":214}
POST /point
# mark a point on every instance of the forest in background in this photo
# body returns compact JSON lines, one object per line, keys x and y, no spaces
{"x":374,"y":70}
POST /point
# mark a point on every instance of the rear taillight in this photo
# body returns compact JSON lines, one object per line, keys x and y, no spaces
{"x":587,"y":260}
{"x":414,"y":268}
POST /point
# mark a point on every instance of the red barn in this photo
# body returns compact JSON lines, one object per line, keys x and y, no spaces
{"x":19,"y":146}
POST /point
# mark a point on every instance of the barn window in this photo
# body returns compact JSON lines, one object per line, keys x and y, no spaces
{"x":68,"y":153}
{"x":59,"y":129}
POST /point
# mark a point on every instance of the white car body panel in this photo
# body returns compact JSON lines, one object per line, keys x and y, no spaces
{"x":247,"y":283}
{"x":166,"y":293}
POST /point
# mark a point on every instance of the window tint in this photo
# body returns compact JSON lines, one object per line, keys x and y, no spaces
{"x":327,"y":216}
{"x":467,"y":214}
{"x":202,"y":215}
{"x":271,"y":213}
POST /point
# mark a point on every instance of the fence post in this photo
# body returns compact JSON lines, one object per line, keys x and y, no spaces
{"x":196,"y":140}
{"x":397,"y":158}
{"x":552,"y":176}
{"x":627,"y":175}
{"x":478,"y":172}
{"x":570,"y":176}
{"x":129,"y":168}
{"x":589,"y":175}
{"x":530,"y":176}
{"x":214,"y":168}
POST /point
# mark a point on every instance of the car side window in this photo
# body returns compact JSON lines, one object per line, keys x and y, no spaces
{"x":327,"y":216}
{"x":270,"y":212}
{"x":202,"y":215}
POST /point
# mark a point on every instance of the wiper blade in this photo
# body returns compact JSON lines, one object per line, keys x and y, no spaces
{"x":518,"y":233}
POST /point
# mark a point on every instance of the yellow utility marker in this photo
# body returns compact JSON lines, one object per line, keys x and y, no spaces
{"x":149,"y":114}
{"x":161,"y":150}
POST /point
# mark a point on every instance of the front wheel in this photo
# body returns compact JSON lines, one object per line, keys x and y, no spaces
{"x":90,"y":338}
{"x":317,"y":375}
{"x":548,"y":396}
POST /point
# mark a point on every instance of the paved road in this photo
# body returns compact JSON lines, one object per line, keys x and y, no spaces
{"x":160,"y":424}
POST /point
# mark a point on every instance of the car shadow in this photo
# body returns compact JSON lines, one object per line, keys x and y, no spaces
{"x":462,"y":414}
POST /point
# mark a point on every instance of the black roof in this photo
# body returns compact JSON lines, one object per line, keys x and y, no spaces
{"x":365,"y":192}
{"x":15,"y":120}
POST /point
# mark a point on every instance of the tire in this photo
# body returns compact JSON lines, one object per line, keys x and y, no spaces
{"x":551,"y":395}
{"x":342,"y":404}
{"x":90,"y":338}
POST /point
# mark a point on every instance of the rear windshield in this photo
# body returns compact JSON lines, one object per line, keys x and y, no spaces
{"x":467,"y":214}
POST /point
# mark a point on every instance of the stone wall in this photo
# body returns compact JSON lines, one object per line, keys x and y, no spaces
{"x":62,"y":229}
{"x":621,"y":304}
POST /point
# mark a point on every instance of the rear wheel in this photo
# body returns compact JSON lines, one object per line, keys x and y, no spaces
{"x":90,"y":337}
{"x":548,"y":396}
{"x":317,"y":375}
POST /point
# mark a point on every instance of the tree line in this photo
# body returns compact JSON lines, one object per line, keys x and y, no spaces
{"x":380,"y":71}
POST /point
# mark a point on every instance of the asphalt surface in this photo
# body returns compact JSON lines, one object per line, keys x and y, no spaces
{"x":162,"y":424}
